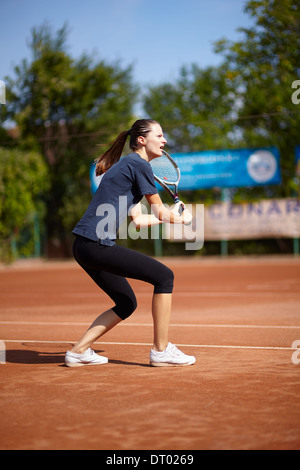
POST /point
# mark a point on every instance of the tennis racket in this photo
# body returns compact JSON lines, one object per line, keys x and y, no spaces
{"x":167,"y":174}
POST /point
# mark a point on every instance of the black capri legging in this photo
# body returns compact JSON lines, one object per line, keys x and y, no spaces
{"x":109,"y":266}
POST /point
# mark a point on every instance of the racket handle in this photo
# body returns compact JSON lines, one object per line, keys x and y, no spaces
{"x":181,"y":209}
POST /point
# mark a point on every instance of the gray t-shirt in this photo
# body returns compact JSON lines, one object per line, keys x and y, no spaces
{"x":121,"y":187}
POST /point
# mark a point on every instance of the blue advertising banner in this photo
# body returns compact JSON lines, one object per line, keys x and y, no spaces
{"x":223,"y":168}
{"x":229,"y":168}
{"x":95,"y":180}
{"x":298,"y":160}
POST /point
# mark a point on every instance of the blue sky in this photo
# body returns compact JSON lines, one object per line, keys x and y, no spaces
{"x":156,"y":36}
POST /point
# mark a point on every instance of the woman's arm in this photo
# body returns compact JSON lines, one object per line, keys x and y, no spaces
{"x":165,"y":215}
{"x":141,"y":220}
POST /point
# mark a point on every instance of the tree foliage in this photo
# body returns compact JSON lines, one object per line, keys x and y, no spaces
{"x":194,"y":110}
{"x":246,"y":102}
{"x":63,"y":108}
{"x":262,"y":67}
{"x":23,"y":181}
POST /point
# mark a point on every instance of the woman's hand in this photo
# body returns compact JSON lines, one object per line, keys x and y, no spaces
{"x":182,"y":211}
{"x":173,"y":216}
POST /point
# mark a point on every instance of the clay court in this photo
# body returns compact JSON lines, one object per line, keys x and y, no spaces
{"x":239,"y":317}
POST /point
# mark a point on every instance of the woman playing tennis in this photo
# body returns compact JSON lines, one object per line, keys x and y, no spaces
{"x":108,"y":264}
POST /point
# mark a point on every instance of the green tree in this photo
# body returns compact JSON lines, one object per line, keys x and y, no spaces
{"x":194,"y":110}
{"x":23,"y":181}
{"x":262,"y":67}
{"x":63,"y":108}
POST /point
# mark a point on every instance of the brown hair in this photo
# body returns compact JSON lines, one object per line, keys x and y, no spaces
{"x":114,"y":153}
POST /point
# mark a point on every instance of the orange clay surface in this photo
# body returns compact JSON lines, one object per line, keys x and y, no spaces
{"x":240,"y":318}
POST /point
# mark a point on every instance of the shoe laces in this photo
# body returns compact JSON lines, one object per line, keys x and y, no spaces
{"x":176,"y":352}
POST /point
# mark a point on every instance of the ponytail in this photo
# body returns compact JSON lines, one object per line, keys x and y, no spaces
{"x":114,"y":153}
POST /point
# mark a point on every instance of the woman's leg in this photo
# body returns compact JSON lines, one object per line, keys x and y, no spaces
{"x":161,"y":313}
{"x":109,"y":267}
{"x":120,"y":291}
{"x":101,"y":325}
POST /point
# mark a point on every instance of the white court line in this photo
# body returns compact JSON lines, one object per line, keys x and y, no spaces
{"x":247,"y":294}
{"x":274,"y":348}
{"x":175,"y":325}
{"x":235,"y":294}
{"x":201,"y":294}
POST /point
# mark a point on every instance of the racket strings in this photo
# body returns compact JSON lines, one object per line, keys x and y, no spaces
{"x":165,"y":170}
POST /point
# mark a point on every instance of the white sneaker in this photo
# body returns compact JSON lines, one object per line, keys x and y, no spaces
{"x":172,"y":356}
{"x":88,"y":358}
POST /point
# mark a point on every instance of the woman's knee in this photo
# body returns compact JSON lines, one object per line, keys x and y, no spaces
{"x":125,"y":307}
{"x":165,"y":283}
